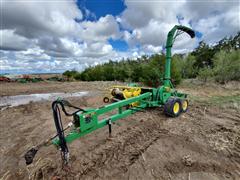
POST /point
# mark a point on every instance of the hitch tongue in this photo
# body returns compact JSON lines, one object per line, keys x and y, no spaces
{"x":30,"y":154}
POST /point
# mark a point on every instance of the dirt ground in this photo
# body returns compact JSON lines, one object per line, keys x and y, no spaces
{"x":203,"y":143}
{"x":15,"y":88}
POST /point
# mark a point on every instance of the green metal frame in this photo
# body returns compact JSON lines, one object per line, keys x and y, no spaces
{"x":89,"y":121}
{"x":151,"y":97}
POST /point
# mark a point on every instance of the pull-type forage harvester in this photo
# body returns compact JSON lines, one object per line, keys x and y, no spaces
{"x":127,"y":100}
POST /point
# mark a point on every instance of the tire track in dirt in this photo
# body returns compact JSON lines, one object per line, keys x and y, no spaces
{"x":117,"y":154}
{"x":109,"y":159}
{"x":113,"y":157}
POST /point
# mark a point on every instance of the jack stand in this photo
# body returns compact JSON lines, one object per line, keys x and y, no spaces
{"x":110,"y":128}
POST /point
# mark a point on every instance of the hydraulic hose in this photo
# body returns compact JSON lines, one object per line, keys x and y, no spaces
{"x":30,"y":154}
{"x":60,"y":132}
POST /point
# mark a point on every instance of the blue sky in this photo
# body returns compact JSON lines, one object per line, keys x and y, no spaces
{"x":100,"y":9}
{"x":54,"y":36}
{"x":103,"y":7}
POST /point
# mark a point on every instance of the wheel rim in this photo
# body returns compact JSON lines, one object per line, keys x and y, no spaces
{"x":176,"y":108}
{"x":184,"y":105}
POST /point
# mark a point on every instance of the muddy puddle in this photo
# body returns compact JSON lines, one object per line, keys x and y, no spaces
{"x":12,"y":101}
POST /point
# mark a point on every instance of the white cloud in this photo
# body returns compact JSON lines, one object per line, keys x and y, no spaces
{"x":34,"y":19}
{"x":11,"y":41}
{"x":150,"y":22}
{"x":154,"y":33}
{"x":51,"y":27}
{"x":52,"y":36}
{"x":195,"y":9}
{"x":218,"y":26}
{"x":96,"y":50}
{"x":152,"y":49}
{"x":184,"y":43}
{"x":36,"y":52}
{"x":139,"y":13}
{"x":106,"y":27}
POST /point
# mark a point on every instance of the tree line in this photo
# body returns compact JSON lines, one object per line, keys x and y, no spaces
{"x":220,"y":62}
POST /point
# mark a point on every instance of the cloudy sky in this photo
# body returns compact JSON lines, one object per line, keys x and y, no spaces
{"x":58,"y":35}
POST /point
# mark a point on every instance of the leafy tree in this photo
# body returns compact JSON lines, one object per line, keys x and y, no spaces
{"x":205,"y":73}
{"x":203,"y":54}
{"x":70,"y":74}
{"x":227,"y":66}
{"x":188,"y":68}
{"x":220,"y":61}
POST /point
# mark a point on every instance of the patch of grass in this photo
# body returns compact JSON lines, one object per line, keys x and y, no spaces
{"x":231,"y":101}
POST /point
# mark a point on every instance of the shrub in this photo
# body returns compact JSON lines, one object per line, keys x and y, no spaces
{"x":205,"y":73}
{"x":70,"y":74}
{"x":227,"y":66}
{"x":176,"y":69}
{"x":188,"y":68}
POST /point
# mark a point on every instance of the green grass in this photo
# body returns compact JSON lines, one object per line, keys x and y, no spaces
{"x":230,"y":101}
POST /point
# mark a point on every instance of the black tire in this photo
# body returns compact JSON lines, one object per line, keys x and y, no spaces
{"x":184,"y":106}
{"x":169,"y":107}
{"x":106,"y":100}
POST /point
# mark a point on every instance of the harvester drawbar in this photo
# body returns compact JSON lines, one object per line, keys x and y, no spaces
{"x":126,"y":100}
